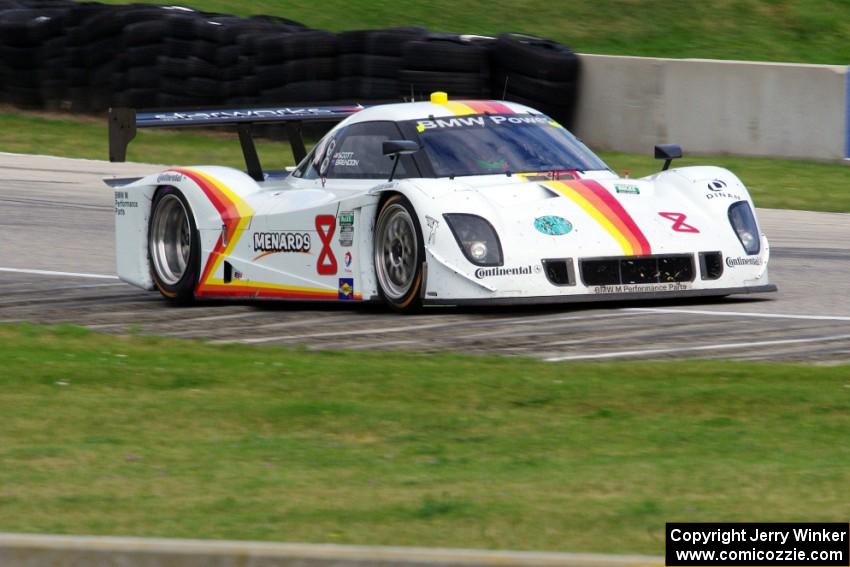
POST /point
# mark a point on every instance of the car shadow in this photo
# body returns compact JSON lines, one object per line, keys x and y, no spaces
{"x":378,"y":308}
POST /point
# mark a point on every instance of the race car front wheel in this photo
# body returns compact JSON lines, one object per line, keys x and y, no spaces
{"x":399,"y":254}
{"x":173,"y":246}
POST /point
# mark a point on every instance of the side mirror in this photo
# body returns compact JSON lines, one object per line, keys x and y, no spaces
{"x":398,"y":148}
{"x":667,"y":152}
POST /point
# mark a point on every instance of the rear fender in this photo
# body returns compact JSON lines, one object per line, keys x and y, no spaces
{"x":209,"y":191}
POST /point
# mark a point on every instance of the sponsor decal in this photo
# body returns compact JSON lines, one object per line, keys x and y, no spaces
{"x":346,"y":288}
{"x":744,"y":261}
{"x":718,"y":190}
{"x":325,"y":226}
{"x":122,"y":202}
{"x":628,"y":189}
{"x":260,"y":113}
{"x":347,"y":259}
{"x":679,"y":224}
{"x":326,"y":161}
{"x":237,"y":275}
{"x":346,"y":228}
{"x":169,"y":177}
{"x":479,"y":121}
{"x":273,"y":242}
{"x":552,"y":225}
{"x":639,"y":288}
{"x":482,"y":273}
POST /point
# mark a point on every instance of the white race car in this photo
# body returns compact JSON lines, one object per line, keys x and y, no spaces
{"x":430,"y":203}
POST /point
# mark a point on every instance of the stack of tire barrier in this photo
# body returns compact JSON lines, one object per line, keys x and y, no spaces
{"x":446,"y":62}
{"x":86,"y":57}
{"x":537,"y":72}
{"x":370,"y":62}
{"x":26,"y":37}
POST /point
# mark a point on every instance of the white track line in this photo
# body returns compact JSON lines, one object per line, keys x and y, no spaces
{"x":648,"y":352}
{"x":462,"y":323}
{"x":52,"y":273}
{"x":739,"y":314}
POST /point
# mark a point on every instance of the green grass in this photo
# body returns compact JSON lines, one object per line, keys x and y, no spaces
{"x":86,"y":137}
{"x":161,"y":437}
{"x":774,"y":183}
{"x":813,"y":31}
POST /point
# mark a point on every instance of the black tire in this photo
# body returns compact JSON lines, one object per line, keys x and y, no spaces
{"x":361,"y":89}
{"x":141,"y":78}
{"x":400,"y":279}
{"x":306,"y":44}
{"x":144,"y":33}
{"x":562,"y":113}
{"x":227,"y":55}
{"x":301,"y":92}
{"x":547,"y":92}
{"x":311,"y":69}
{"x":143,"y":56}
{"x":180,"y":290}
{"x":535,"y":57}
{"x":392,"y":41}
{"x":457,"y":85}
{"x":388,"y":42}
{"x":378,"y":66}
{"x":187,"y":67}
{"x":451,"y":55}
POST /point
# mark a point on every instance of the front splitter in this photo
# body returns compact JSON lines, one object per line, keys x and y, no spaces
{"x":599,"y":297}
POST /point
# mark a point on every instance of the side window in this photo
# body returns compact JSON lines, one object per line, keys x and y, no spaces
{"x":355,"y":152}
{"x":311,"y":165}
{"x":358,"y":153}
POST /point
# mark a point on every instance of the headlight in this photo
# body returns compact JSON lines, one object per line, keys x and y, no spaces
{"x":742,"y":220}
{"x":476,"y":238}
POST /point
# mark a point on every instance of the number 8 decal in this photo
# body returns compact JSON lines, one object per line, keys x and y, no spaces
{"x":326,"y":226}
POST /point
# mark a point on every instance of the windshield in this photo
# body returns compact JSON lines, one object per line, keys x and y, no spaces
{"x":489,"y":144}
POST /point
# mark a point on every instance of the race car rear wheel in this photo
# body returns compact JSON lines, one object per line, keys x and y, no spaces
{"x":399,"y":254}
{"x":173,"y":246}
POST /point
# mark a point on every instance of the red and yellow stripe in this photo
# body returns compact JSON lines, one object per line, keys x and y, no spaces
{"x":600,"y":205}
{"x":465,"y":107}
{"x":235,"y":215}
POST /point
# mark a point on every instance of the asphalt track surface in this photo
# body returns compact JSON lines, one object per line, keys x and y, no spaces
{"x":57,"y":266}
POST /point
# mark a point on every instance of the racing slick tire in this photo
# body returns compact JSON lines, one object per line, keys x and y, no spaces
{"x":399,"y":255}
{"x":174,"y":247}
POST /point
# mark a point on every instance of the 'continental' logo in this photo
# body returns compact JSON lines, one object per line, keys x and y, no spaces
{"x":482,"y":273}
{"x":751,"y":261}
{"x":281,"y":242}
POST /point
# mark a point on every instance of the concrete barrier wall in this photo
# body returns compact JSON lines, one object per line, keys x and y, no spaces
{"x":714,"y":107}
{"x":24,"y":550}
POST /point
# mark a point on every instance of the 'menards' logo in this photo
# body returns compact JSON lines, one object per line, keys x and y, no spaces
{"x":281,"y":242}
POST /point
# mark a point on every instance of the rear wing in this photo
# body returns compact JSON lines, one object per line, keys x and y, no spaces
{"x":123,"y":123}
